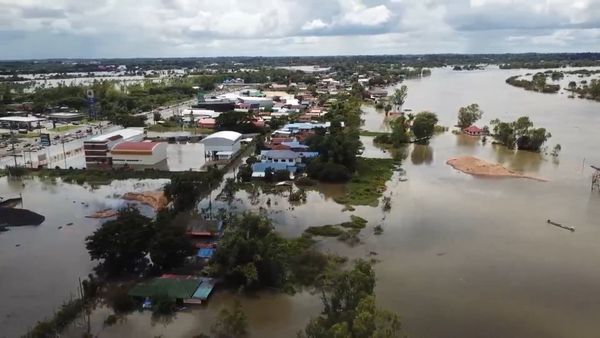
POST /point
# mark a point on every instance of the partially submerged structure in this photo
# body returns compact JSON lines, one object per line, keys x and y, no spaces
{"x":222,"y":145}
{"x":97,"y":149}
{"x":475,"y":131}
{"x":182,"y":289}
{"x":139,"y":154}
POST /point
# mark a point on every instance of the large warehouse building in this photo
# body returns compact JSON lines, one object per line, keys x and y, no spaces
{"x":97,"y":149}
{"x":139,"y":154}
{"x":222,"y":145}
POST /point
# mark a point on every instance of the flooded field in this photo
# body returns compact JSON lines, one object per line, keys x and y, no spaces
{"x":459,"y":257}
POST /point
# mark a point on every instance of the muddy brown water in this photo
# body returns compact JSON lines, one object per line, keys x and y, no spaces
{"x":459,"y":257}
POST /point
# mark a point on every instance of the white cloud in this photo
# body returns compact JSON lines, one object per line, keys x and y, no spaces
{"x":314,"y":25}
{"x":73,"y":28}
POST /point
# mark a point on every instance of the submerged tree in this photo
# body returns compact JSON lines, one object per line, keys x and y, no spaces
{"x":423,"y":126}
{"x":231,"y":323}
{"x":122,"y":243}
{"x":349,"y":309}
{"x":399,"y":97}
{"x":520,"y":133}
{"x":250,"y":254}
{"x":468,"y":115}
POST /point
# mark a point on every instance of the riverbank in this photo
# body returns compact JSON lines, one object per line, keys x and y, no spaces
{"x":478,"y":167}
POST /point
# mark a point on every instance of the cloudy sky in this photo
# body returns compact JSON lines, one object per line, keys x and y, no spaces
{"x":163,"y":28}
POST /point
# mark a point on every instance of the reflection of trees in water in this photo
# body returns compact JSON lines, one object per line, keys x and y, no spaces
{"x":519,"y":160}
{"x":527,"y":161}
{"x":400,"y":154}
{"x":467,"y":141}
{"x":421,"y":154}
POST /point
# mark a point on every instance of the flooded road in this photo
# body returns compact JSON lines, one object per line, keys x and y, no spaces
{"x":459,"y":257}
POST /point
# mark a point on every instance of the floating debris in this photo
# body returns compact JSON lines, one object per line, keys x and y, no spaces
{"x":155,"y":199}
{"x":561,"y":226}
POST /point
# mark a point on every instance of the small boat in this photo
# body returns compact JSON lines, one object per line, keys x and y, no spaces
{"x":11,"y":202}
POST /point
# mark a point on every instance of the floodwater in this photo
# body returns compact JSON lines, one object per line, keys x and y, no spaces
{"x":460,"y":256}
{"x":40,"y":265}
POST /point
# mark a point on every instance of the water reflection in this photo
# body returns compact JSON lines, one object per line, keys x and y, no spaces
{"x":522,"y":161}
{"x":421,"y":154}
{"x":467,"y":141}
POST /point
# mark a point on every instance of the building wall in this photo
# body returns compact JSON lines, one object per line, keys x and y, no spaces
{"x":99,"y":152}
{"x":159,"y":154}
{"x":211,"y":146}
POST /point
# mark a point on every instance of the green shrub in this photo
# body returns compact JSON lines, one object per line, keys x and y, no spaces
{"x":325,"y":230}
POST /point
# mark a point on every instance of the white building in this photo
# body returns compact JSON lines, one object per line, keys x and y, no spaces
{"x":97,"y":149}
{"x":139,"y":153}
{"x":222,"y":145}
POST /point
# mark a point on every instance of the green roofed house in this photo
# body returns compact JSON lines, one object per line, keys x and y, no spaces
{"x":179,"y":288}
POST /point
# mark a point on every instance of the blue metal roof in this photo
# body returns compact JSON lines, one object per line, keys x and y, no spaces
{"x":205,"y":252}
{"x":204,"y":289}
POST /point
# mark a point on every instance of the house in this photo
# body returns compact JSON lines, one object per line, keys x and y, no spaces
{"x":222,"y":145}
{"x":295,"y":146}
{"x":138,"y":153}
{"x":183,"y":289}
{"x":259,"y":170}
{"x":203,"y":228}
{"x":280,"y":156}
{"x":475,"y":131}
{"x":97,"y":150}
{"x":378,"y":93}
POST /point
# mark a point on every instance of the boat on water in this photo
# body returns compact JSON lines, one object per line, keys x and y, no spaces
{"x":10,"y":202}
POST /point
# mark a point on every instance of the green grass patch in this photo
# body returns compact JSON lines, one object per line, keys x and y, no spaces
{"x":356,"y":222}
{"x":328,"y":230}
{"x":28,"y":135}
{"x":372,"y":133}
{"x":368,"y":182}
{"x":437,"y":129}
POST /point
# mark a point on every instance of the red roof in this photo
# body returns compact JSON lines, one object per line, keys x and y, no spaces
{"x":473,"y":129}
{"x":135,"y":146}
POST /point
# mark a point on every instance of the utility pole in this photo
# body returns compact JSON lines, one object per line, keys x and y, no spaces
{"x":13,"y":140}
{"x":64,"y":153}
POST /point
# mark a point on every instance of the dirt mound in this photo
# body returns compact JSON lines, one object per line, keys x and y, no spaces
{"x":478,"y":167}
{"x":155,"y":199}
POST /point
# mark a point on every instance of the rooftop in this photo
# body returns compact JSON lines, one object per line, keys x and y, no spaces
{"x":24,"y":119}
{"x":473,"y":129}
{"x":280,"y":154}
{"x":229,"y":135}
{"x":123,"y":133}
